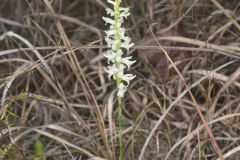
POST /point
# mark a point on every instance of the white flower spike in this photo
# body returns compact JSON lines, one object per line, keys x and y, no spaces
{"x":117,"y":41}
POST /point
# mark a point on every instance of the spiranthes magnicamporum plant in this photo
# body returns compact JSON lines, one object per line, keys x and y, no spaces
{"x":117,"y":42}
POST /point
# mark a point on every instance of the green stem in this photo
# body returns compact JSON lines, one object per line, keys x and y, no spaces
{"x":120,"y":139}
{"x":119,"y":80}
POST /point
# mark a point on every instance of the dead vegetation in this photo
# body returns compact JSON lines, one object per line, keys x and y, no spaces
{"x":55,"y":95}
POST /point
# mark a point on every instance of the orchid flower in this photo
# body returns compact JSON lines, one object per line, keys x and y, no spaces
{"x":116,"y":42}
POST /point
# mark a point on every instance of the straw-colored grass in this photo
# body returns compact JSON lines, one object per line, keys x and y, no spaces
{"x":57,"y":102}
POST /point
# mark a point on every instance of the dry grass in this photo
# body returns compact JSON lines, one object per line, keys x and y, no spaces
{"x":184,"y":103}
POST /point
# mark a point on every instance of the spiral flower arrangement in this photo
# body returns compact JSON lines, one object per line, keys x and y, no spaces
{"x":117,"y":42}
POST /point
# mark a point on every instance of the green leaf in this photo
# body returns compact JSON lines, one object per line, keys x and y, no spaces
{"x":10,"y":153}
{"x":1,"y":153}
{"x":38,"y":148}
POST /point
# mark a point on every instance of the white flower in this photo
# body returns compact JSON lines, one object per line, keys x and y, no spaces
{"x":127,"y":78}
{"x":115,"y":70}
{"x":108,"y":20}
{"x":110,"y":11}
{"x":112,"y":71}
{"x":121,"y":90}
{"x":125,"y":12}
{"x":127,"y":61}
{"x":112,"y":2}
{"x":116,"y":41}
{"x":111,"y":56}
{"x":109,"y":41}
{"x":110,"y":32}
{"x":127,"y":43}
{"x":124,"y":9}
{"x":122,"y":34}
